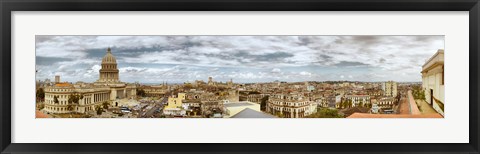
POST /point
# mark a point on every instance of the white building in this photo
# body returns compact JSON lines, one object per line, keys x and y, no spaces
{"x":433,"y":81}
{"x":107,"y":89}
{"x":358,"y":99}
{"x":290,"y":106}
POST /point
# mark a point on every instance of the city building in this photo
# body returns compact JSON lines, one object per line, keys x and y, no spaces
{"x":108,"y":88}
{"x":57,"y":78}
{"x":174,"y":106}
{"x":230,"y":83}
{"x":385,"y":102}
{"x":210,"y":81}
{"x":389,"y":88}
{"x":154,"y":90}
{"x":433,"y":81}
{"x":358,"y":99}
{"x":290,"y":106}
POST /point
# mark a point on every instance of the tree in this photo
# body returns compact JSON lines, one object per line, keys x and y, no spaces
{"x":55,"y":99}
{"x":326,"y":113}
{"x":99,"y":110}
{"x":361,"y":104}
{"x":350,"y":104}
{"x":263,"y":103}
{"x":141,"y":92}
{"x":74,"y":98}
{"x":70,"y":99}
{"x":70,"y":107}
{"x":105,"y":105}
{"x":40,"y":94}
{"x":40,"y":106}
{"x":280,"y":114}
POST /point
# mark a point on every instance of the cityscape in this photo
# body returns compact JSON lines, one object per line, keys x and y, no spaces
{"x":366,"y":76}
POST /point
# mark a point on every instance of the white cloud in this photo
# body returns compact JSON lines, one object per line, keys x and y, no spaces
{"x":305,"y":73}
{"x":386,"y":55}
{"x":276,"y":70}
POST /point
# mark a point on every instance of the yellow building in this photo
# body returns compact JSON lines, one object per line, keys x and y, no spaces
{"x":176,"y":101}
{"x":433,"y":81}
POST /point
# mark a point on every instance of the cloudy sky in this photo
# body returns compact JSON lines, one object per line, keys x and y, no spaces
{"x":177,"y":59}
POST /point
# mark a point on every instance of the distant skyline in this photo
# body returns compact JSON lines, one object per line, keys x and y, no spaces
{"x":245,"y":59}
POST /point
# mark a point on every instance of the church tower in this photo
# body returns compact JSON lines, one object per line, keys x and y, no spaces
{"x":109,"y":71}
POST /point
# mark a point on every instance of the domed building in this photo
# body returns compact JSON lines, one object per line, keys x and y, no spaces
{"x":108,"y":88}
{"x":109,"y":71}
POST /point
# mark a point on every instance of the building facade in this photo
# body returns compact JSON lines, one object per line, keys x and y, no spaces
{"x":108,"y":88}
{"x":290,"y":106}
{"x":433,"y":81}
{"x":389,"y":89}
{"x":358,"y":100}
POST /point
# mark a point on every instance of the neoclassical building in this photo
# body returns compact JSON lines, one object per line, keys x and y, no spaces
{"x":290,"y":106}
{"x":108,"y":88}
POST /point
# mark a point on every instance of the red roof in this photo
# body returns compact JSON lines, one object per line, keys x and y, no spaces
{"x":367,"y":115}
{"x":65,"y":84}
{"x":39,"y":114}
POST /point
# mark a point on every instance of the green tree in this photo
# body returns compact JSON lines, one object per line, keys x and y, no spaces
{"x":326,"y":113}
{"x":280,"y":114}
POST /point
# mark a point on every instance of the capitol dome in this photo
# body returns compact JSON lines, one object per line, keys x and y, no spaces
{"x":109,"y":58}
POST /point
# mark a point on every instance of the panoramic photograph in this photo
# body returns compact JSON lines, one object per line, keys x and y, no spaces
{"x":278,"y":76}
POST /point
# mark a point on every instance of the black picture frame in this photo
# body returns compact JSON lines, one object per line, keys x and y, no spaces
{"x":7,"y":6}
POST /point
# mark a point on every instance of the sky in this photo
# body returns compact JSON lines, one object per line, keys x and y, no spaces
{"x":244,"y":59}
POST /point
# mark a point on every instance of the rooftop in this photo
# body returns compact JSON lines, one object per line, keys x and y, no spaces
{"x":64,"y":84}
{"x":435,"y":60}
{"x":249,"y":113}
{"x":237,"y":104}
{"x":366,"y":115}
{"x":39,"y":114}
